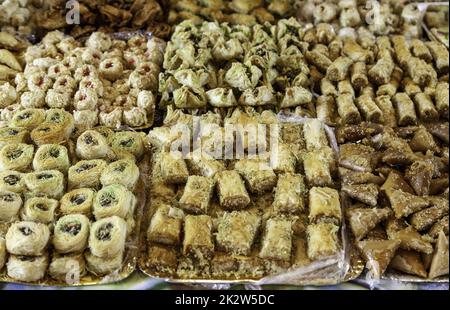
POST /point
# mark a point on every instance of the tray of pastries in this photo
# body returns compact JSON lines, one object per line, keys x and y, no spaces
{"x":70,"y":210}
{"x":274,"y":218}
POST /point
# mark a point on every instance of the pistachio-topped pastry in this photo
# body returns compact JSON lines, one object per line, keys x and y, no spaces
{"x":92,"y":145}
{"x":10,"y":204}
{"x":27,"y":238}
{"x":77,"y":201}
{"x":86,"y":173}
{"x":51,"y":157}
{"x":12,"y":135}
{"x":16,"y":156}
{"x":71,"y":233}
{"x":123,"y":172}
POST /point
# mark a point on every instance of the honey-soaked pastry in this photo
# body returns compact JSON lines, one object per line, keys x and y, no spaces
{"x":347,"y":110}
{"x":162,"y":259}
{"x":107,"y":237}
{"x":378,"y":254}
{"x":48,"y":133}
{"x":231,"y":190}
{"x":12,"y":181}
{"x":425,"y":107}
{"x":385,"y":104}
{"x":282,"y":159}
{"x":423,"y":141}
{"x":28,"y":118}
{"x":16,"y":156}
{"x":10,"y":204}
{"x":47,"y":182}
{"x":321,"y":61}
{"x":295,"y":96}
{"x":101,"y":266}
{"x":197,"y":195}
{"x":51,"y":157}
{"x":189,"y":98}
{"x":324,"y":203}
{"x":114,"y":200}
{"x":203,"y":164}
{"x":358,"y":75}
{"x":237,"y":232}
{"x":92,"y":145}
{"x":62,"y":118}
{"x":13,"y":135}
{"x":198,"y":243}
{"x":419,"y":176}
{"x":173,"y":168}
{"x":77,"y":201}
{"x":277,"y":240}
{"x":404,"y":203}
{"x":369,"y":109}
{"x":123,"y":172}
{"x":221,"y":98}
{"x":130,"y":142}
{"x":404,"y":106}
{"x":317,"y":168}
{"x":409,"y":87}
{"x":408,"y":262}
{"x":363,"y":220}
{"x":39,"y":209}
{"x":322,"y":240}
{"x":27,"y":268}
{"x":27,"y":238}
{"x":86,"y":173}
{"x":421,"y":72}
{"x":401,"y":48}
{"x":420,"y":50}
{"x":441,"y":225}
{"x":71,"y":233}
{"x":314,"y":133}
{"x":165,"y":225}
{"x":440,"y":55}
{"x":442,"y":99}
{"x":395,"y":181}
{"x":289,"y":194}
{"x":439,"y":263}
{"x":258,"y":175}
{"x":339,"y":69}
{"x":390,"y":88}
{"x":365,"y":193}
{"x":411,"y":240}
{"x":351,"y":177}
{"x":68,"y":268}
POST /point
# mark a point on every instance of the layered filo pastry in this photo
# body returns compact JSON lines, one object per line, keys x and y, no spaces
{"x":51,"y":157}
{"x":107,"y":244}
{"x":124,"y":172}
{"x":77,"y":201}
{"x":50,"y":183}
{"x":128,"y":142}
{"x":246,"y":217}
{"x":114,"y":200}
{"x":16,"y":156}
{"x":86,"y":173}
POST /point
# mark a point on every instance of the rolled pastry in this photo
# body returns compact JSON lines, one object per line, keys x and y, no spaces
{"x":48,"y":133}
{"x":347,"y":110}
{"x":442,"y":100}
{"x":277,"y":240}
{"x":10,"y":204}
{"x":92,"y":145}
{"x":131,"y":142}
{"x":345,"y":87}
{"x":47,"y":182}
{"x":107,"y":237}
{"x":12,"y":181}
{"x":369,"y":109}
{"x":86,"y":173}
{"x":51,"y":157}
{"x":123,"y":172}
{"x":314,"y":134}
{"x":67,"y":268}
{"x":114,"y":199}
{"x":197,"y":194}
{"x":12,"y":135}
{"x":283,"y":160}
{"x":71,"y":233}
{"x":385,"y":104}
{"x":16,"y":156}
{"x":27,"y":268}
{"x":102,"y":266}
{"x":404,"y":106}
{"x":440,"y":55}
{"x":173,"y":168}
{"x":39,"y":209}
{"x":77,"y":201}
{"x":325,"y":109}
{"x":289,"y":194}
{"x":358,"y":75}
{"x":62,"y":118}
{"x":231,"y":190}
{"x":28,"y":118}
{"x":27,"y":238}
{"x":165,"y":225}
{"x":425,"y":107}
{"x":339,"y":69}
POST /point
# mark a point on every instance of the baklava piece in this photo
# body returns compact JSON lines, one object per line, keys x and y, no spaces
{"x":237,"y":231}
{"x":277,"y":240}
{"x":378,"y":254}
{"x":289,"y":194}
{"x":324,"y":204}
{"x":173,"y":168}
{"x":231,"y":190}
{"x":258,"y":175}
{"x":363,"y":220}
{"x":162,"y":259}
{"x":198,"y":243}
{"x":165,"y":225}
{"x":197,"y":194}
{"x":323,"y":240}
